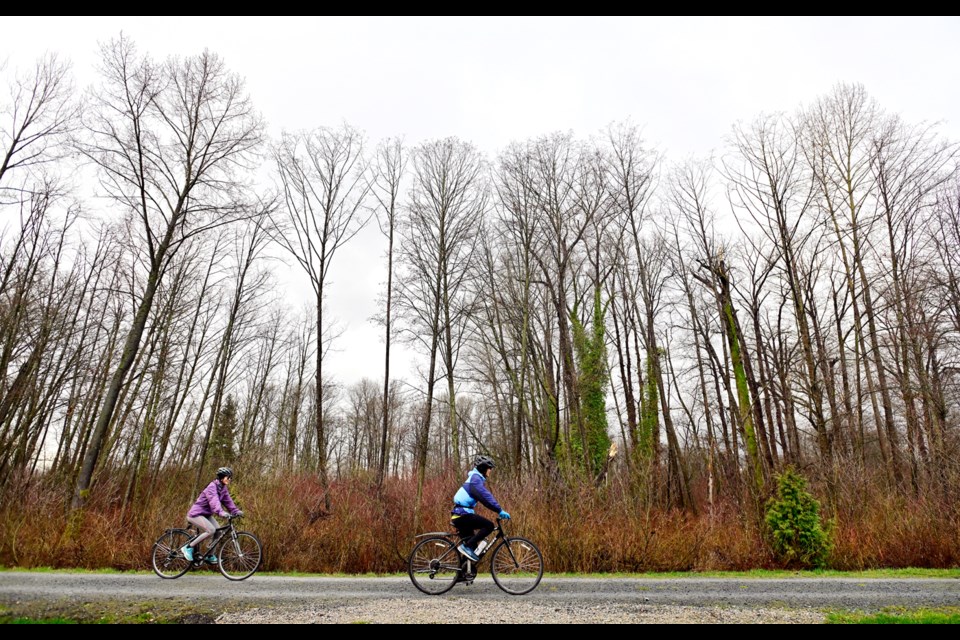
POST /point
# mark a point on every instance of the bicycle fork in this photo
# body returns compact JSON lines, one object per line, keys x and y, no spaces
{"x":236,"y":545}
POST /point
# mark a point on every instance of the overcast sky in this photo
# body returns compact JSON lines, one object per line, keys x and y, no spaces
{"x":686,"y":81}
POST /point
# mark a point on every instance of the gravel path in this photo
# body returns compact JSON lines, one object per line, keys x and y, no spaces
{"x":557,"y":600}
{"x":450,"y":610}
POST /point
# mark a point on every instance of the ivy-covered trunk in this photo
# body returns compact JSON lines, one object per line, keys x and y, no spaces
{"x":731,"y":329}
{"x":649,"y":414}
{"x":590,"y":346}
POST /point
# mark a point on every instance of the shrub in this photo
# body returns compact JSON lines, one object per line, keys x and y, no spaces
{"x":793,"y":523}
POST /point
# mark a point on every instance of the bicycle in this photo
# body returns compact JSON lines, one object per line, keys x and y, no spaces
{"x":239,"y":553}
{"x":435,"y":566}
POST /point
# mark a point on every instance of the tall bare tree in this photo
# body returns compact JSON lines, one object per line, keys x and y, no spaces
{"x":911,"y":166}
{"x":447,"y":204}
{"x":42,"y":113}
{"x":839,"y":130}
{"x":766,"y":181}
{"x":170,"y":141}
{"x":322,"y":178}
{"x":250,"y":243}
{"x":388,"y":171}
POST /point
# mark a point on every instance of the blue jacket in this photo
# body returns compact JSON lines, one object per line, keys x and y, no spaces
{"x":474,"y":490}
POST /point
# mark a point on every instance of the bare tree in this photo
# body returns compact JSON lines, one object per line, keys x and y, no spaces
{"x":447,"y":205}
{"x":766,"y":181}
{"x":632,"y":178}
{"x":41,"y":112}
{"x":838,"y":134}
{"x":563,"y":178}
{"x":322,"y":177}
{"x":250,"y":243}
{"x":910,"y":166}
{"x":717,"y":279}
{"x":389,"y":168}
{"x":509,"y":303}
{"x":169,"y":140}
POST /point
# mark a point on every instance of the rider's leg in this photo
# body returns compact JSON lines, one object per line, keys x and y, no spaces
{"x":462,"y":524}
{"x":207,"y":527}
{"x":473,"y":528}
{"x":483,"y":528}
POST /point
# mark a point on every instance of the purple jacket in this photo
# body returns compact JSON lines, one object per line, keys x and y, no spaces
{"x":213,"y":500}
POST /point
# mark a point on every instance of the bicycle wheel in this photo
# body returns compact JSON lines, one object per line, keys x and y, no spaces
{"x":517,"y":566}
{"x":240,"y":555}
{"x":168,"y":562}
{"x":434,"y":566}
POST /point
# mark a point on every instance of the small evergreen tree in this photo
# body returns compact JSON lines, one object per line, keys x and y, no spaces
{"x":224,"y":434}
{"x":794,"y":526}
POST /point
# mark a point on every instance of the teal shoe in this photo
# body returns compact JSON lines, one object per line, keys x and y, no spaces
{"x":467,"y":551}
{"x":187,"y":552}
{"x":211,"y":559}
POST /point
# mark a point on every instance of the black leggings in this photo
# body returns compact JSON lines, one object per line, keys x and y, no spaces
{"x":469,"y":523}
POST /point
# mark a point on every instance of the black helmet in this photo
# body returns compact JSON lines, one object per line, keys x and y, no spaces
{"x":224,"y":472}
{"x":483,"y":462}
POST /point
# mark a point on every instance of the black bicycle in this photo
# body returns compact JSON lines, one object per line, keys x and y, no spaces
{"x":239,"y":553}
{"x":435,"y":566}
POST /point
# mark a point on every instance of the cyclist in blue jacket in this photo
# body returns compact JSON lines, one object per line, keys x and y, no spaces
{"x":474,"y":528}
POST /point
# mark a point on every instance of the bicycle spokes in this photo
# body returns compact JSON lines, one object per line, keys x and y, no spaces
{"x":240,"y":555}
{"x":434,"y":565}
{"x":167,"y":559}
{"x":517,"y":566}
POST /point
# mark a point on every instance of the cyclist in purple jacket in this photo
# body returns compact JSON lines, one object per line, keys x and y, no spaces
{"x":214,"y":500}
{"x":471,"y":527}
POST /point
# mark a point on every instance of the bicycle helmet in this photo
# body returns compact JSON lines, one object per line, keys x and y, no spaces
{"x":224,"y":472}
{"x":482,"y":463}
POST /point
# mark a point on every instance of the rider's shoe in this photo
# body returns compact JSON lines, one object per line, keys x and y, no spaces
{"x":211,"y":559}
{"x":187,"y":552}
{"x":468,"y":552}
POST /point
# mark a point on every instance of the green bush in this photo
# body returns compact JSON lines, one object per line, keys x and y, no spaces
{"x":793,"y":524}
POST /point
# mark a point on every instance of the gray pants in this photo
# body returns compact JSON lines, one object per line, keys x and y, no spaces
{"x":207,"y":526}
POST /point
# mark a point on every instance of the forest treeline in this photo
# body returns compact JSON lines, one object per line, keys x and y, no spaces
{"x":652,"y":339}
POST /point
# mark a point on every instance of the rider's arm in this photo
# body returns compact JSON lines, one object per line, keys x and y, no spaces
{"x":478,"y":489}
{"x":228,"y":503}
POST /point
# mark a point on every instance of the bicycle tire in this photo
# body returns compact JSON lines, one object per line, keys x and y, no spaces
{"x":239,"y":556}
{"x":517,"y":566}
{"x":434,"y":557}
{"x":167,"y":561}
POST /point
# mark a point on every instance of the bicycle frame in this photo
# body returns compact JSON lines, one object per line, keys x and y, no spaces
{"x":498,"y":530}
{"x":498,"y":535}
{"x":215,"y":539}
{"x":468,"y":564}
